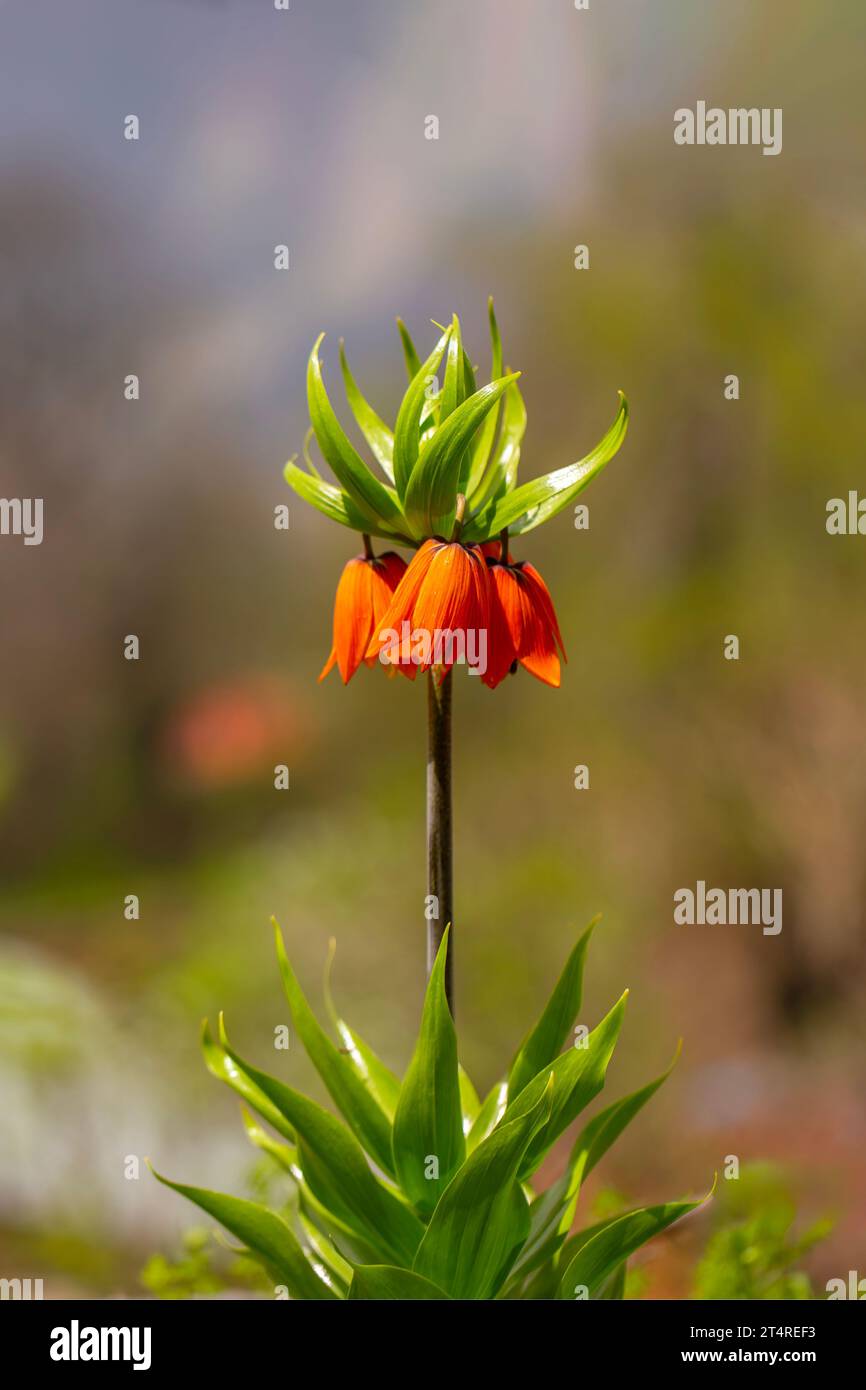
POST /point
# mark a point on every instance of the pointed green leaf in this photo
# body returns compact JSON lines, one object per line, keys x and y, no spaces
{"x":387,"y":1283}
{"x":324,"y":1255}
{"x":428,"y":1125}
{"x":501,"y":473}
{"x":552,"y":1212}
{"x":220,"y":1065}
{"x":265,"y":1234}
{"x":345,"y":1239}
{"x":482,"y":1218}
{"x":371,"y":498}
{"x":337,"y":1172}
{"x":578,"y":1076}
{"x":430,"y":496}
{"x":380,"y":1081}
{"x":535,"y":502}
{"x":286,"y":1155}
{"x":470,"y":385}
{"x":305,"y":448}
{"x":355,"y":1102}
{"x":406,"y":430}
{"x":487,"y":433}
{"x":606,"y":1127}
{"x":413,"y":361}
{"x":453,"y":393}
{"x":550,"y":1032}
{"x":373,"y":428}
{"x":597,"y":1260}
{"x":470,"y":1105}
{"x":489,"y":1115}
{"x":332,"y":502}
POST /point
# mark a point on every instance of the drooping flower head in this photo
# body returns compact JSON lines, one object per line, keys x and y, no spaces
{"x":364,"y":592}
{"x":440,"y":611}
{"x":524,"y":627}
{"x":450,"y":440}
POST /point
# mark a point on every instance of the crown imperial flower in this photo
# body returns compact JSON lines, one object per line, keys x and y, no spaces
{"x":524,"y":628}
{"x":363,"y":594}
{"x":440,"y":611}
{"x":448,"y":468}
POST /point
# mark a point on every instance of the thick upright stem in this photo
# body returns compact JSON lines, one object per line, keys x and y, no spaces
{"x":439,"y":847}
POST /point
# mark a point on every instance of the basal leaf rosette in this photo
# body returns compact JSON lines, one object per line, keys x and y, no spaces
{"x":420,"y":1190}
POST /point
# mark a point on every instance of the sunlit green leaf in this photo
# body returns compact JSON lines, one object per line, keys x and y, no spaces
{"x":428,"y":1126}
{"x":597,"y":1259}
{"x":554,"y":1026}
{"x":337,"y":1172}
{"x":265,"y":1234}
{"x":489,"y":1115}
{"x":220,"y":1065}
{"x":437,"y":477}
{"x":406,"y":430}
{"x":329,"y":500}
{"x":578,"y":1076}
{"x":537,"y":501}
{"x":353,"y":1099}
{"x":373,"y":428}
{"x":413,"y":361}
{"x":501,"y":473}
{"x":487,"y":433}
{"x":384,"y":1283}
{"x":373,"y":499}
{"x":381,"y":1082}
{"x":323,"y":1254}
{"x":470,"y":1105}
{"x":286,"y":1155}
{"x":482,"y":1218}
{"x":606,"y":1127}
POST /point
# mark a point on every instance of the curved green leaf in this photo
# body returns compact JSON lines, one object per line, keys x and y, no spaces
{"x":332,"y":502}
{"x":380,"y":1081}
{"x":454,"y":381}
{"x":265,"y":1234}
{"x":578,"y":1076}
{"x":387,"y":1283}
{"x":550,"y":1032}
{"x":597,"y":1260}
{"x":470,"y":1105}
{"x":353,"y":1099}
{"x":373,"y":428}
{"x":338,"y":1174}
{"x":537,"y":501}
{"x":501,"y":473}
{"x":428,"y":1125}
{"x":489,"y":1115}
{"x":220,"y":1065}
{"x":438,"y":474}
{"x":286,"y":1155}
{"x":372,"y":498}
{"x":406,"y":430}
{"x":552,"y":1212}
{"x":413,"y":361}
{"x":487,"y":433}
{"x":482,"y":1218}
{"x":606,"y":1127}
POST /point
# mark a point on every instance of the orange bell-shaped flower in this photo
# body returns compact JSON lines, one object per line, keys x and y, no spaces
{"x":440,"y":611}
{"x":364,"y":592}
{"x":523,"y":623}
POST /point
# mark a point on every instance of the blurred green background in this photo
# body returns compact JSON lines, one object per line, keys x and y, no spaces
{"x":156,"y":777}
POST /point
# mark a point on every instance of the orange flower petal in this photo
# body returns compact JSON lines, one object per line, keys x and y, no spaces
{"x":363,"y":594}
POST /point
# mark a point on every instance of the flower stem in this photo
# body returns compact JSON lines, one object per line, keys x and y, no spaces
{"x":440,"y":863}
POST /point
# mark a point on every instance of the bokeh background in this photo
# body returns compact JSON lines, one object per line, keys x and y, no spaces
{"x":156,"y":777}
